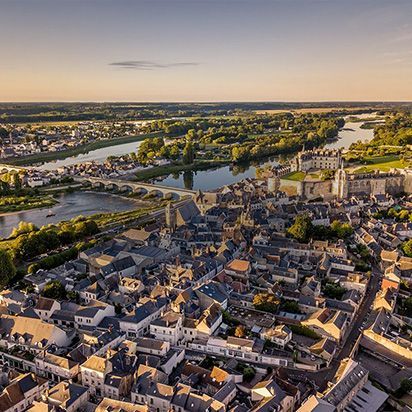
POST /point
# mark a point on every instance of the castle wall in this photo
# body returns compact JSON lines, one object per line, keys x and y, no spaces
{"x":376,"y":185}
{"x":291,"y":187}
{"x":407,"y":185}
{"x":312,"y":190}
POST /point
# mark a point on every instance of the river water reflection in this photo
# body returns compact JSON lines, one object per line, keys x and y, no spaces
{"x":70,"y":205}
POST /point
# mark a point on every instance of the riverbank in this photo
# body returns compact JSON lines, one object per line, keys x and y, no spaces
{"x":52,"y":156}
{"x":14,"y":204}
{"x":159,"y":171}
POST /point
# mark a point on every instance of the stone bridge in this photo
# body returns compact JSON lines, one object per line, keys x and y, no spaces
{"x":4,"y":168}
{"x":136,"y":187}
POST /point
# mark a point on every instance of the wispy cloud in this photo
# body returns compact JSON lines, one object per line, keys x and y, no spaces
{"x":149,"y":65}
{"x":398,"y":57}
{"x":403,"y":34}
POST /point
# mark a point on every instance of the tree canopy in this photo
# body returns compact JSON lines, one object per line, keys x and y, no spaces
{"x":54,"y":290}
{"x":266,"y":302}
{"x":7,"y":268}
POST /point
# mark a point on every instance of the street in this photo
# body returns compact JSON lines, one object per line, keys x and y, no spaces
{"x":322,"y":377}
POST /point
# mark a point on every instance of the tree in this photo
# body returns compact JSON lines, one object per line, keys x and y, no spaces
{"x":240,"y":331}
{"x":188,"y":153}
{"x":239,"y":154}
{"x":17,"y":183}
{"x":7,"y":268}
{"x":54,"y":290}
{"x":341,"y":230}
{"x":174,"y":152}
{"x":248,"y":373}
{"x":191,"y":135}
{"x":290,"y":306}
{"x":406,"y":307}
{"x":302,"y":228}
{"x":266,"y":302}
{"x":334,"y":291}
{"x":404,"y":388}
{"x":23,"y":227}
{"x":3,"y":133}
{"x":407,"y":247}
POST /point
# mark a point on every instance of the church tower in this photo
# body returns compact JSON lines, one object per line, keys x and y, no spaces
{"x":340,"y":185}
{"x":170,"y":213}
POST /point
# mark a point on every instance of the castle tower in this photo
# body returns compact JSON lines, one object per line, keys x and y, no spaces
{"x":273,"y":183}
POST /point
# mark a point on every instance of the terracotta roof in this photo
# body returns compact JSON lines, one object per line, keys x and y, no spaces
{"x":238,"y":265}
{"x":219,"y":375}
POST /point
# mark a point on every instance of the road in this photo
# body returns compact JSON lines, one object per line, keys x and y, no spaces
{"x":362,"y":313}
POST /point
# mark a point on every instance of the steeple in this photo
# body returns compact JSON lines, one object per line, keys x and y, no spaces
{"x":170,"y":215}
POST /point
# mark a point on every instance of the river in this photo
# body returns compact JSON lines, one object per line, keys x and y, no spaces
{"x":88,"y":203}
{"x":97,"y":155}
{"x":352,"y":132}
{"x":213,"y":178}
{"x":70,"y":205}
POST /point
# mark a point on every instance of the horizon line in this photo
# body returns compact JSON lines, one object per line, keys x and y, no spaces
{"x":206,"y":101}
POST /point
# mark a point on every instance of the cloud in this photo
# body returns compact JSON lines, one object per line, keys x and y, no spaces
{"x":398,"y":57}
{"x":149,"y":65}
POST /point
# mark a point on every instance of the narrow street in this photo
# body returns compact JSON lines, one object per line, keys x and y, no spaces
{"x":362,"y":315}
{"x":321,"y":378}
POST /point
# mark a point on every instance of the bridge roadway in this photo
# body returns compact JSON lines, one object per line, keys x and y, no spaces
{"x":118,"y":184}
{"x":4,"y":168}
{"x":127,"y":185}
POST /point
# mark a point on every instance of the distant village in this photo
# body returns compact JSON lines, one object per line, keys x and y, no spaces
{"x":237,"y":300}
{"x":25,"y":140}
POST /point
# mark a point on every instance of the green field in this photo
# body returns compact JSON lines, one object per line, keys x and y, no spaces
{"x":294,"y":176}
{"x":50,"y":156}
{"x":382,"y":163}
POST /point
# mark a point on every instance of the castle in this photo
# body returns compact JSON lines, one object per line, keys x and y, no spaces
{"x":343,"y":185}
{"x":317,"y":159}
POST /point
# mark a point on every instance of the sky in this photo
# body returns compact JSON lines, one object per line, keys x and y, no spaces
{"x":205,"y":50}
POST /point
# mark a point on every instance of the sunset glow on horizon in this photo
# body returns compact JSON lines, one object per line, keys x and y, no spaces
{"x":188,"y":50}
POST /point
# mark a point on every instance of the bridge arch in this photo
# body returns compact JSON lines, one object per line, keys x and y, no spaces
{"x":156,"y":193}
{"x":96,"y":185}
{"x":112,"y":186}
{"x":126,"y":188}
{"x":171,"y":196}
{"x":140,"y":190}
